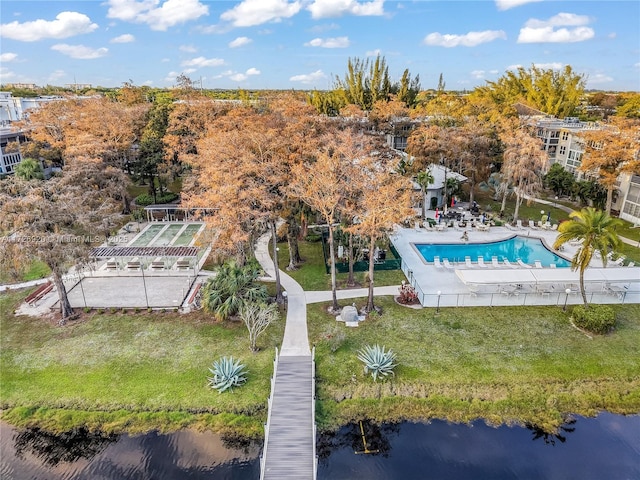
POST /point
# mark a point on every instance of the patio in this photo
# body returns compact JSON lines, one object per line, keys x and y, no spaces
{"x":461,"y":285}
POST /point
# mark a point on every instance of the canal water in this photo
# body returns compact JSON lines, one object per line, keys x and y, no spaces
{"x":605,"y":447}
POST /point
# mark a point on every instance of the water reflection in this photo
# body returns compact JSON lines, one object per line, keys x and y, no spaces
{"x":607,"y":446}
{"x":66,"y":447}
{"x":362,"y":438}
{"x":79,"y":454}
{"x":550,"y":438}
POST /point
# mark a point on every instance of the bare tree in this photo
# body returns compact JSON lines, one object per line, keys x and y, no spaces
{"x":257,"y":317}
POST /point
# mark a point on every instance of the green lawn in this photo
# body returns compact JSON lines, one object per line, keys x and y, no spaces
{"x":312,"y":273}
{"x":503,"y":364}
{"x":130,"y":371}
{"x":33,"y":270}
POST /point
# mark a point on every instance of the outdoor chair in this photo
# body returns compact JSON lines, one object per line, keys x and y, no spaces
{"x":538,"y":264}
{"x":522,"y":264}
{"x":447,"y":264}
{"x":519,"y":225}
{"x":436,"y":262}
{"x":532,"y":225}
{"x":495,"y":262}
{"x":467,"y":262}
{"x":509,"y":264}
{"x":481,"y":263}
{"x":554,"y":226}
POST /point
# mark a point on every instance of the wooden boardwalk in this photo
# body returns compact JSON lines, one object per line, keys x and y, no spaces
{"x":289,"y":446}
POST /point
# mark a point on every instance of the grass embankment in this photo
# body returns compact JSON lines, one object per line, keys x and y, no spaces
{"x":312,"y":274}
{"x":507,"y":365}
{"x":130,"y":372}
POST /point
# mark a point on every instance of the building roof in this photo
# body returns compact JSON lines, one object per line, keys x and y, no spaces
{"x":438,"y":172}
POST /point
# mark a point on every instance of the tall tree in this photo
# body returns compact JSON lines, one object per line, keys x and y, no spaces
{"x":610,"y":152}
{"x":58,"y":221}
{"x":524,"y":165}
{"x":475,"y":147}
{"x":555,"y":92}
{"x":424,"y":179}
{"x":322,"y":184}
{"x":385,"y":201}
{"x":596,"y":232}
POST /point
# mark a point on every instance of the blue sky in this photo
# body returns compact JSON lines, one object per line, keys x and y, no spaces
{"x":303,"y":44}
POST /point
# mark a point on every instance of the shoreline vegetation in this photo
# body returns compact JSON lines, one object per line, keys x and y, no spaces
{"x":125,"y":372}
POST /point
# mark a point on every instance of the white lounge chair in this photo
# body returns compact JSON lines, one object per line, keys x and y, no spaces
{"x":519,"y":225}
{"x":467,"y":262}
{"x":436,"y":262}
{"x":619,"y":262}
{"x":481,"y":263}
{"x":522,"y":264}
{"x":552,"y":265}
{"x":495,"y":262}
{"x":447,"y":264}
{"x":509,"y":264}
{"x":554,"y":226}
{"x":532,"y":225}
{"x":538,"y":264}
{"x":631,"y":264}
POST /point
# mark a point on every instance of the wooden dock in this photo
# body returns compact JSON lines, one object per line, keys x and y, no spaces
{"x":290,"y":434}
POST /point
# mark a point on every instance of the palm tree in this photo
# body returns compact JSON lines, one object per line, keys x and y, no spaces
{"x":596,"y":230}
{"x":233,"y":287}
{"x":424,"y":179}
{"x":29,"y":169}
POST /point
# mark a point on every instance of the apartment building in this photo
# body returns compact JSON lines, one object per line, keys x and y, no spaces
{"x":562,"y":140}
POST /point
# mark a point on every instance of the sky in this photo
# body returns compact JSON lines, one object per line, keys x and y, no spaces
{"x":305,"y":44}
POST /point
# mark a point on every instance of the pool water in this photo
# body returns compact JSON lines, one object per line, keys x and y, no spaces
{"x":526,"y":249}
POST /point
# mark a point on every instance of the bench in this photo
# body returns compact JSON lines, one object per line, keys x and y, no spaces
{"x":111,"y":264}
{"x":134,"y":264}
{"x":182,"y":264}
{"x":157,"y":264}
{"x":40,"y":292}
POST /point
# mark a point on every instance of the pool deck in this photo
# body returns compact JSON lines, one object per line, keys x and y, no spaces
{"x":429,"y":280}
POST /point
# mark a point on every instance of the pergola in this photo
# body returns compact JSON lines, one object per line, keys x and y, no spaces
{"x":172,"y":212}
{"x":137,"y":258}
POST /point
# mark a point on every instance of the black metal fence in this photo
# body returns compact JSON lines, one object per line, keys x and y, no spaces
{"x":363,"y":265}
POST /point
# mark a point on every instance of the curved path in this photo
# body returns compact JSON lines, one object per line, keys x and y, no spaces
{"x":290,"y":434}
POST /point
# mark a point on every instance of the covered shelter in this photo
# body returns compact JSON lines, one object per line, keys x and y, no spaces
{"x":173,"y":212}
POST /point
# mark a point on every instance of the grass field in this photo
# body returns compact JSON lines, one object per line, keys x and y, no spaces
{"x":129,"y":371}
{"x":520,"y":364}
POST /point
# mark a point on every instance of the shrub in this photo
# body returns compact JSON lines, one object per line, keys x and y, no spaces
{"x":312,"y":237}
{"x":145,"y":199}
{"x":87,"y":309}
{"x":227,"y":373}
{"x":598,"y":319}
{"x":377,"y":361}
{"x":408,"y":295}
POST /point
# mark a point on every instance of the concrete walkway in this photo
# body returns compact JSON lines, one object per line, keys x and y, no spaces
{"x":15,"y":286}
{"x":296,"y":338}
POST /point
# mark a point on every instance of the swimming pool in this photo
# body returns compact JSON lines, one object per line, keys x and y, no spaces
{"x":526,"y":249}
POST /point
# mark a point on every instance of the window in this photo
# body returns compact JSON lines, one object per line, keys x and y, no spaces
{"x":565,"y":135}
{"x":563,"y":150}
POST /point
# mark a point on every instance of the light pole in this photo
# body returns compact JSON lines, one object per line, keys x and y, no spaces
{"x":438,"y":305}
{"x":566,"y":299}
{"x":144,"y":284}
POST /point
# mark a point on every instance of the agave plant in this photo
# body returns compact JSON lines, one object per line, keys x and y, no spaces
{"x":227,"y":373}
{"x":377,"y":361}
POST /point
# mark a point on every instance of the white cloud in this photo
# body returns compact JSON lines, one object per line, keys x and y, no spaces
{"x":336,"y":42}
{"x":554,"y":29}
{"x":637,"y":65}
{"x":80,"y":51}
{"x":253,"y":71}
{"x":470,"y":39}
{"x":249,"y":13}
{"x":168,"y":14}
{"x":165,"y":60}
{"x":309,"y":78}
{"x":126,"y":38}
{"x":239,"y":42}
{"x":324,"y":28}
{"x":507,"y":4}
{"x":373,"y":53}
{"x":66,"y":24}
{"x":188,"y":48}
{"x":57,"y":75}
{"x":337,"y":8}
{"x":514,"y":67}
{"x":200,"y":62}
{"x":549,"y":66}
{"x":478,"y":74}
{"x":6,"y":74}
{"x":238,"y":77}
{"x":599,"y":78}
{"x":187,"y":71}
{"x":8,"y":57}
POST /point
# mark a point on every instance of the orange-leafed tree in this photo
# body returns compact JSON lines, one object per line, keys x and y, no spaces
{"x":385,"y":201}
{"x":610,"y":152}
{"x":525,"y":162}
{"x":323,"y":184}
